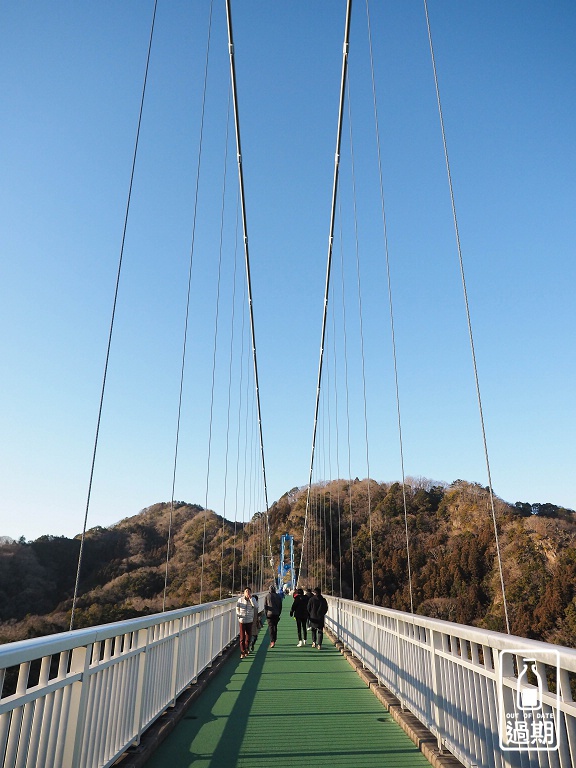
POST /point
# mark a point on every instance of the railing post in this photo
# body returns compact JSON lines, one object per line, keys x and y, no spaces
{"x":196,"y":646}
{"x":142,"y":643}
{"x":399,"y":679}
{"x":77,"y":707}
{"x":436,"y":645}
{"x":175,"y":663}
{"x":363,"y":638}
{"x":502,"y":670}
{"x":14,"y":730}
{"x":221,"y":644}
{"x":211,"y":655}
{"x":378,"y":648}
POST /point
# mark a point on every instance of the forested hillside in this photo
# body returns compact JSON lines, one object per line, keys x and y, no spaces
{"x":451,"y":546}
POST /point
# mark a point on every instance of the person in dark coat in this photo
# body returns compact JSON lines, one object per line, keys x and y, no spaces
{"x":300,"y":612}
{"x":308,"y":595}
{"x":273,"y":609}
{"x":317,"y":610}
{"x":256,"y":624}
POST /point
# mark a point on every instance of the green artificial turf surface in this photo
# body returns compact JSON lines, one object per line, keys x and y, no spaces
{"x":291,"y":707}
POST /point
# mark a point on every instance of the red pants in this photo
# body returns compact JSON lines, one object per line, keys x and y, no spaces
{"x":245,"y":634}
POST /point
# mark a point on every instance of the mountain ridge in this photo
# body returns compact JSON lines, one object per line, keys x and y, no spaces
{"x":452,"y":549}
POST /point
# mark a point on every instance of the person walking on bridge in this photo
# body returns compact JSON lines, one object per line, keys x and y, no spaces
{"x":273,"y":608}
{"x":300,"y":612}
{"x":317,"y":610}
{"x":257,"y":623}
{"x":247,"y":612}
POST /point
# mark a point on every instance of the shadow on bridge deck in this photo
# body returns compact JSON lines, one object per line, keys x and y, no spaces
{"x":287,"y":706}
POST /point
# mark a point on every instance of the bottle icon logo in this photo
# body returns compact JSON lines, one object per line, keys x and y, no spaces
{"x":529,"y":696}
{"x":528,"y":700}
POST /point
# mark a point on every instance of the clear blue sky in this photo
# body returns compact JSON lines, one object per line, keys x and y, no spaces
{"x":70,"y":82}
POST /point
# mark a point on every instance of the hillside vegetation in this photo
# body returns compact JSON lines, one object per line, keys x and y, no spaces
{"x":451,"y":543}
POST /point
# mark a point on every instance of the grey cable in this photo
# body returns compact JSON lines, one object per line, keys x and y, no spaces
{"x":391,"y":309}
{"x":247,"y":262}
{"x":461,"y":262}
{"x":116,"y":290}
{"x":329,"y":259}
{"x":187,"y":314}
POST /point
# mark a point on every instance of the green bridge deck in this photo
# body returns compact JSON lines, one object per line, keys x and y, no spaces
{"x":287,"y":706}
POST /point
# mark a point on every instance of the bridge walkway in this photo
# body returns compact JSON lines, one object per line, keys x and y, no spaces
{"x":287,"y":706}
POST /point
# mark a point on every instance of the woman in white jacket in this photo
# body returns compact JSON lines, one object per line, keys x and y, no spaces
{"x":246,"y":610}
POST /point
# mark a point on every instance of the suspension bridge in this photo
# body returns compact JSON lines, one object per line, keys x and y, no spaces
{"x":388,"y":687}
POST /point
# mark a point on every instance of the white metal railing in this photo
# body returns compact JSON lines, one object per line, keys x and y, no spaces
{"x":461,"y":681}
{"x":80,"y":699}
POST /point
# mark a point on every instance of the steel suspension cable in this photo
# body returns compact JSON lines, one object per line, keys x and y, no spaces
{"x":312,"y":546}
{"x":247,"y":262}
{"x":249,"y":482}
{"x":113,"y":315}
{"x":336,"y":424}
{"x":350,"y":508}
{"x":329,"y":258}
{"x":241,"y":392}
{"x":324,"y":547}
{"x":252,"y":492}
{"x":347,"y":393}
{"x":347,"y":410}
{"x":249,"y":396}
{"x":215,"y":348}
{"x":467,"y":306}
{"x":228,"y":410}
{"x":319,"y":496}
{"x":362,"y":356}
{"x":188,"y":296}
{"x":249,"y":468}
{"x":328,"y":399}
{"x":390,"y":303}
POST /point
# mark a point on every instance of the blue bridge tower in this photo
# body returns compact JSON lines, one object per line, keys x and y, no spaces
{"x":286,"y":571}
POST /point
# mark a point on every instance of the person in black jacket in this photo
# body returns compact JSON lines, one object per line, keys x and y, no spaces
{"x":273,"y":609}
{"x":300,"y":612}
{"x":317,"y":610}
{"x":257,"y":623}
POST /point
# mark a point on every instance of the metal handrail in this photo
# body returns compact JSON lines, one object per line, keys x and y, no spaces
{"x":461,"y":682}
{"x":82,"y":698}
